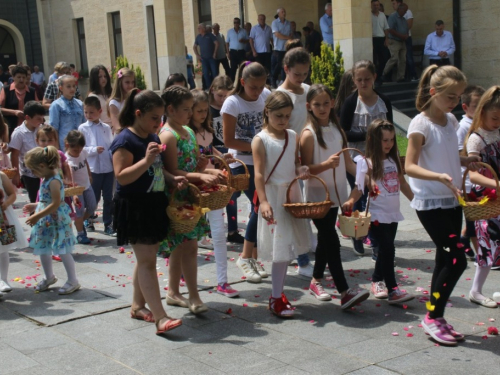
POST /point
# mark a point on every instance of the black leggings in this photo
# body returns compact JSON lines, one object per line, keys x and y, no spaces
{"x":444,"y":226}
{"x":328,"y":250}
{"x":385,"y":234}
{"x":32,"y":184}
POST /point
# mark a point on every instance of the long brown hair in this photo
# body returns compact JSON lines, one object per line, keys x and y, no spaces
{"x":117,"y":92}
{"x":200,"y":96}
{"x":314,"y":91}
{"x":219,"y":83}
{"x":374,"y":151}
{"x":247,"y":70}
{"x":346,"y":88}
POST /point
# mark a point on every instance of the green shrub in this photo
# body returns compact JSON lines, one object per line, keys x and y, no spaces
{"x":328,"y":68}
{"x":122,"y":62}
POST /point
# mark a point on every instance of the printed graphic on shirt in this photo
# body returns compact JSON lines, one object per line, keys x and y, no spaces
{"x":217,"y":125}
{"x":249,"y":124}
{"x":390,"y":181}
{"x":156,"y":170}
{"x":76,"y":167}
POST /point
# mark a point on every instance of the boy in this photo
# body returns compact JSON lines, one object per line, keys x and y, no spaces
{"x":23,"y":140}
{"x":470,"y":99}
{"x":98,"y":137}
{"x":14,"y":96}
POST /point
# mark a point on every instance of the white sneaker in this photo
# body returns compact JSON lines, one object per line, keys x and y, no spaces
{"x":5,"y":287}
{"x":306,"y":271}
{"x":249,"y":271}
{"x":205,"y":244}
{"x":260,"y":269}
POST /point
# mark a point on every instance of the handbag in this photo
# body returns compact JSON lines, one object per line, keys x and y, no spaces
{"x":255,"y":199}
{"x":7,"y":232}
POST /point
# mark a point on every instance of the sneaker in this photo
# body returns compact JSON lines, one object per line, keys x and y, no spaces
{"x":317,"y":291}
{"x":379,"y":290}
{"x":83,"y":239}
{"x":249,"y":271}
{"x":235,"y":237}
{"x":44,"y":284}
{"x":357,"y":247}
{"x":353,"y":297}
{"x":57,"y":258}
{"x":367,"y":241}
{"x":281,"y":307}
{"x":5,"y":287}
{"x":438,"y":330}
{"x":456,"y":335}
{"x":259,"y":266}
{"x":68,"y":288}
{"x":226,"y":290}
{"x":374,"y":254}
{"x":205,"y":244}
{"x":110,"y":231}
{"x":482,"y":300}
{"x":398,"y":296}
{"x":89,"y":225}
{"x":306,"y":271}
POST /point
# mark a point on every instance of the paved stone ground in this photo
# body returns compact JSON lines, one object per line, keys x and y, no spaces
{"x":90,"y":331}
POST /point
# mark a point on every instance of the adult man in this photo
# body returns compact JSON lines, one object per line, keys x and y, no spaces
{"x":326,"y":25}
{"x":260,"y":42}
{"x":37,"y":76}
{"x":316,"y":39}
{"x":439,"y":45}
{"x":295,"y":34}
{"x":221,"y":55}
{"x":398,"y":32}
{"x":208,"y":44}
{"x":248,"y":48}
{"x":52,"y":90}
{"x":282,"y":31}
{"x":236,"y":40}
{"x":380,"y":32}
{"x":411,"y":73}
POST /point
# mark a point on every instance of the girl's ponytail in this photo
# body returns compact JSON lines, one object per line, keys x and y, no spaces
{"x":247,"y":70}
{"x":423,"y":99}
{"x":127,"y":115}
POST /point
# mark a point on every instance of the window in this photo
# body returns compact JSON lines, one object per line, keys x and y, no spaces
{"x":82,"y":48}
{"x":117,"y":34}
{"x":204,"y":12}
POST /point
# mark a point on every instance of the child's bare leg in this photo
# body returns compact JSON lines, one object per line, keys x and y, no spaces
{"x":190,"y":268}
{"x":175,"y":273}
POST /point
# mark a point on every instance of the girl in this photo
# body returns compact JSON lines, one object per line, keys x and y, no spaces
{"x":66,"y":113}
{"x":140,"y":203}
{"x":484,"y":141}
{"x":241,"y":119}
{"x":175,"y":79}
{"x":51,"y":233}
{"x":346,"y":88}
{"x":280,"y":236}
{"x":433,"y":165}
{"x":100,"y":86}
{"x":124,"y":82}
{"x":321,"y":145}
{"x":4,"y":140}
{"x":8,"y":197}
{"x":182,"y":159}
{"x":358,"y":111}
{"x":382,"y":158}
{"x":200,"y":124}
{"x":218,"y":92}
{"x":85,"y":204}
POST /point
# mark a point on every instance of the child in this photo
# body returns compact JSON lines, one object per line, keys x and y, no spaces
{"x":23,"y":140}
{"x":321,"y":145}
{"x":346,"y":88}
{"x":98,"y":139}
{"x":8,"y":197}
{"x":181,"y":159}
{"x":100,"y":87}
{"x":85,"y":204}
{"x":470,"y":98}
{"x":483,"y":140}
{"x":51,"y":232}
{"x":200,"y":124}
{"x":175,"y":79}
{"x":140,"y":203}
{"x":66,"y":113}
{"x":124,"y":82}
{"x":359,"y":110}
{"x":4,"y":144}
{"x":382,"y":157}
{"x":241,"y":120}
{"x":280,"y":236}
{"x":433,"y":165}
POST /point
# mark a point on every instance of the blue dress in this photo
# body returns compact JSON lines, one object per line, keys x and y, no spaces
{"x":53,"y":233}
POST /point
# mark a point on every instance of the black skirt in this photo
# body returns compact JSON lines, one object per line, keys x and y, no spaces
{"x":141,"y":218}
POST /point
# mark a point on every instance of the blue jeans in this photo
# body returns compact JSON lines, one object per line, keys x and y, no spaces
{"x":104,"y":182}
{"x":410,"y":64}
{"x":251,"y":233}
{"x":209,"y":70}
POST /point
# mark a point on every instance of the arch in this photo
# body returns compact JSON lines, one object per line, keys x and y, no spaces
{"x":18,"y":39}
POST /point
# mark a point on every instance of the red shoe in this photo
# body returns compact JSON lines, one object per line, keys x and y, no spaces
{"x":57,"y":258}
{"x":281,"y":307}
{"x":143,"y":314}
{"x":169,"y":325}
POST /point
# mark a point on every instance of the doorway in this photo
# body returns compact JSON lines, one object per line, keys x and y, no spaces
{"x":8,"y":54}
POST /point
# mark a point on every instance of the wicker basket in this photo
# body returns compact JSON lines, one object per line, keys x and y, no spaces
{"x":310,"y":210}
{"x":216,"y":200}
{"x":240,"y":181}
{"x":73,"y":190}
{"x":183,"y":225}
{"x":10,"y":172}
{"x":476,"y":211}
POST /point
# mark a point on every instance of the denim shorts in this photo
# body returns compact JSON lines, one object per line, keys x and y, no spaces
{"x":88,"y":203}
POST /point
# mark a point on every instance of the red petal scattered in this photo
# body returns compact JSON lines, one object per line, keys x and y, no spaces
{"x":492,"y":331}
{"x":405,"y":307}
{"x":460,"y":245}
{"x":245,"y":305}
{"x":452,"y":235}
{"x":229,"y":311}
{"x":409,"y":335}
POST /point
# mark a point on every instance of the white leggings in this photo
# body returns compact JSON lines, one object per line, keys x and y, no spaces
{"x":216,"y":220}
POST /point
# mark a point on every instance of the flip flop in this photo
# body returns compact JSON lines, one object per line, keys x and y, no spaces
{"x":168,"y":326}
{"x":148,"y":317}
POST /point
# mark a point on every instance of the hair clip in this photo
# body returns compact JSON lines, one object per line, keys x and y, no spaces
{"x":247,"y":63}
{"x":119,"y":74}
{"x":46,"y":150}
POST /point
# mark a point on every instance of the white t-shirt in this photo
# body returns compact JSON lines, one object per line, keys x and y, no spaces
{"x":476,"y":143}
{"x":298,"y":118}
{"x":439,"y":154}
{"x":462,"y":131}
{"x":408,"y":16}
{"x":79,"y":170}
{"x":249,"y":120}
{"x":117,"y":104}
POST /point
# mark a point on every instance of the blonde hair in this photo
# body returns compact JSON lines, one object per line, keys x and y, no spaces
{"x":219,"y":83}
{"x":65,"y":77}
{"x":374,"y":149}
{"x":117,"y":92}
{"x":274,"y":102}
{"x":248,"y":70}
{"x":46,"y":155}
{"x":200,"y":96}
{"x":441,"y":79}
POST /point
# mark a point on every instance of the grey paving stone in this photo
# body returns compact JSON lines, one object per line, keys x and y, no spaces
{"x":29,"y":342}
{"x":13,"y":360}
{"x":286,"y":370}
{"x":372,"y":370}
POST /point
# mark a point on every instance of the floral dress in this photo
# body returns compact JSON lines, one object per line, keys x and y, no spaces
{"x":187,"y":161}
{"x":52,"y":234}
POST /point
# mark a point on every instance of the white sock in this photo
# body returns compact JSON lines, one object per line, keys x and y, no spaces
{"x":46,"y":260}
{"x":69,"y":265}
{"x":4,"y":266}
{"x":479,"y":280}
{"x":278,"y":278}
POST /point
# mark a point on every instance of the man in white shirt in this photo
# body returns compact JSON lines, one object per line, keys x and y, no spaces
{"x":282,"y":31}
{"x":326,"y":25}
{"x":439,"y":45}
{"x":221,"y":55}
{"x":236,"y":39}
{"x":37,"y":76}
{"x":260,"y":42}
{"x":380,"y":29}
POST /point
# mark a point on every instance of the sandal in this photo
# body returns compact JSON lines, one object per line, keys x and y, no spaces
{"x":142,"y":314}
{"x":198,"y":309}
{"x":168,"y":325}
{"x":171,"y":301}
{"x":44,"y":285}
{"x":281,"y":307}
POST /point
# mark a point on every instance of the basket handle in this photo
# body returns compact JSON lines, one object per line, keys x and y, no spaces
{"x":487,"y":166}
{"x":244,"y":165}
{"x":288,"y":200}
{"x":190,"y":186}
{"x":335,"y":179}
{"x":224,"y":162}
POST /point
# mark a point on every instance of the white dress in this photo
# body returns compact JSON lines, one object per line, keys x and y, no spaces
{"x":21,"y":242}
{"x":289,"y":237}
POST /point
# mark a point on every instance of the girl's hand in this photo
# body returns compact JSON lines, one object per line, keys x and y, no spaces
{"x":151,"y":152}
{"x":202,"y":163}
{"x":229,"y":158}
{"x":29,"y":208}
{"x":333,"y":161}
{"x":4,"y":206}
{"x":5,"y":146}
{"x":348,"y":205}
{"x":67,"y":183}
{"x":448,"y":181}
{"x":266,"y":211}
{"x":100,"y":149}
{"x":32,"y":220}
{"x":179,"y":182}
{"x":302,"y":172}
{"x":209,"y":179}
{"x":220,"y":174}
{"x":76,"y":201}
{"x":471,"y":162}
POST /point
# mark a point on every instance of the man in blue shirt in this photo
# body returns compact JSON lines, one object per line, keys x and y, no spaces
{"x":208,"y":44}
{"x":439,"y":45}
{"x":396,"y":40}
{"x":236,"y":40}
{"x":282,"y":31}
{"x":326,"y":25}
{"x":260,"y":42}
